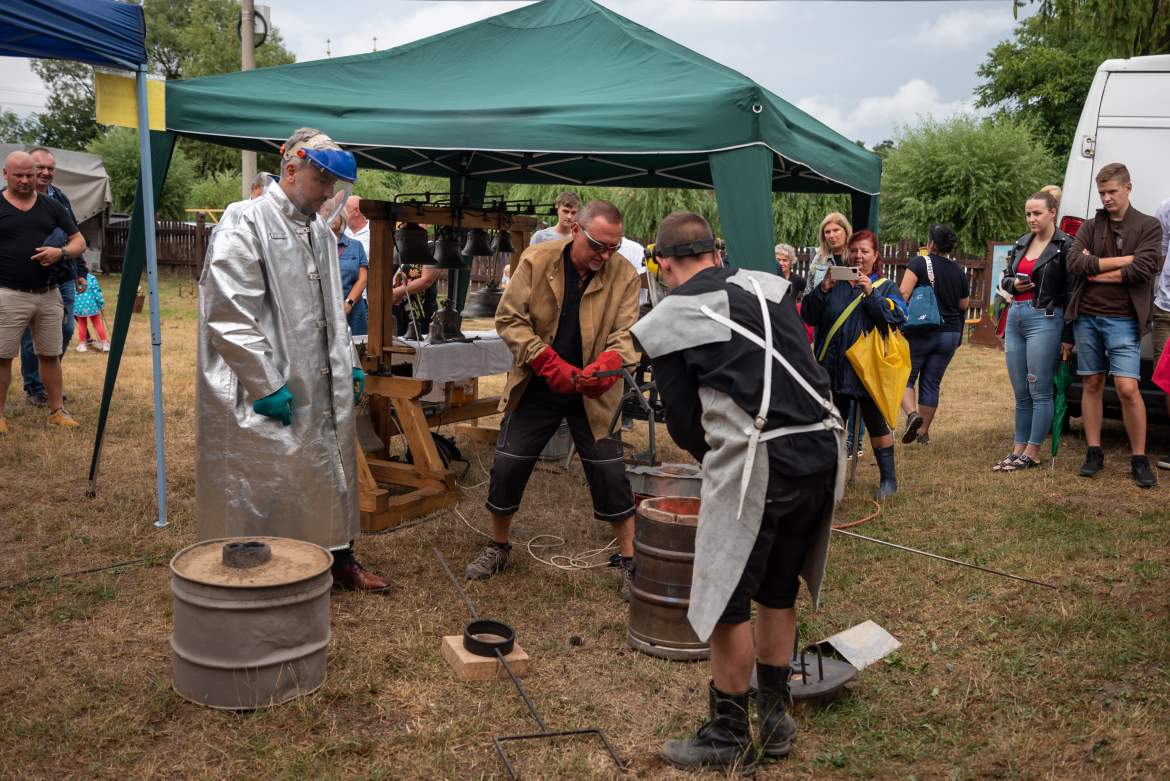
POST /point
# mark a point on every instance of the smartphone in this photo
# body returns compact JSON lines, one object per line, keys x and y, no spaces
{"x":844,"y":273}
{"x":1023,"y":279}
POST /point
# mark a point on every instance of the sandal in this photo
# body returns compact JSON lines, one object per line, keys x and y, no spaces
{"x":1004,"y":464}
{"x":1023,"y":462}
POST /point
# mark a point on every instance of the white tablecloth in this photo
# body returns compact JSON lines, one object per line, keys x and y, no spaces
{"x":459,"y":360}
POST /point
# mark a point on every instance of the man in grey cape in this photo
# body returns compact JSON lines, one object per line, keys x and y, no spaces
{"x":277,"y":376}
{"x":745,"y":397}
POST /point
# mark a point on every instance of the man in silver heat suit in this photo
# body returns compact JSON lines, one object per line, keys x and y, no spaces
{"x":277,"y":377}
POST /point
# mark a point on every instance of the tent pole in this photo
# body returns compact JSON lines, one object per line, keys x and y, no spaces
{"x":147,"y":185}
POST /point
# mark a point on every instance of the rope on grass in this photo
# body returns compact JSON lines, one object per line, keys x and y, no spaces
{"x":587,"y":559}
{"x":863,"y":519}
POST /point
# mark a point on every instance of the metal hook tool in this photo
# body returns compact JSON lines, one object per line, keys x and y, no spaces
{"x":545,"y":733}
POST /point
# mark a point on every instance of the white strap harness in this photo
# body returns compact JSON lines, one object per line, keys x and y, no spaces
{"x":755,"y":433}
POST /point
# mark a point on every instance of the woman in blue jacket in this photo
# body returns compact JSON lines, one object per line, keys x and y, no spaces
{"x":872,"y":302}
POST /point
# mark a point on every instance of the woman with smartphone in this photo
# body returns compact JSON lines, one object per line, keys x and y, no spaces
{"x":1036,"y":278}
{"x":835,"y":234}
{"x":850,"y":301}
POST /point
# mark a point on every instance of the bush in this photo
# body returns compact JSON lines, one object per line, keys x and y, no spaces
{"x":215,"y":191}
{"x":969,"y":173}
{"x":118,"y":149}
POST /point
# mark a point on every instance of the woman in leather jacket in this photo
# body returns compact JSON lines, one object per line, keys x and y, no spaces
{"x":1037,"y":279}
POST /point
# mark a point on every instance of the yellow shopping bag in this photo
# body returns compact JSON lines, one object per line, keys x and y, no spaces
{"x":883,"y":364}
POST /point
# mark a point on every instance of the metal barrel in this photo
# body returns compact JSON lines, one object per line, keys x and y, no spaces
{"x":647,"y":480}
{"x":664,"y":550}
{"x":250,"y":638}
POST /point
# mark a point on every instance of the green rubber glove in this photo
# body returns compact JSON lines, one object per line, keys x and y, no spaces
{"x":278,"y":406}
{"x":359,"y":384}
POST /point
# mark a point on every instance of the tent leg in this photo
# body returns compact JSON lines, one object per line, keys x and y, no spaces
{"x":147,"y":184}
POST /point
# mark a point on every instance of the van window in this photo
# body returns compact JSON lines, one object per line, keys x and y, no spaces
{"x":1137,"y":95}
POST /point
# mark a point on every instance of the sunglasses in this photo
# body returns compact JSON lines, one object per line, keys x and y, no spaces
{"x":598,"y":246}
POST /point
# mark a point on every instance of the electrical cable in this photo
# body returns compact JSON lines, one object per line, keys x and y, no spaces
{"x":103,"y":568}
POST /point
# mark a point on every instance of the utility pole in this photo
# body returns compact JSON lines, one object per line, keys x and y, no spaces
{"x":247,"y":63}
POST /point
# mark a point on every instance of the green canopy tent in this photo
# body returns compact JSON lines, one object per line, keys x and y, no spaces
{"x":559,"y":92}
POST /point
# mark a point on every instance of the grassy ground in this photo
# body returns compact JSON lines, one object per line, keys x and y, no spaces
{"x":996,"y":679}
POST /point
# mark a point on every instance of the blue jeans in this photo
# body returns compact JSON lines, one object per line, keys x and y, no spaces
{"x":1108,"y":343}
{"x":930,"y":354}
{"x":30,"y":367}
{"x":1032,"y":348}
{"x":359,"y":318}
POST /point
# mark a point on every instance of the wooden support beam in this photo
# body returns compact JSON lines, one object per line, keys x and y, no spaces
{"x":476,"y":409}
{"x":398,"y":473}
{"x":418,"y":434}
{"x":406,"y":388}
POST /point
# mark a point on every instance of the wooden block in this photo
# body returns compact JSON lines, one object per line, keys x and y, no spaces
{"x":488,"y":435}
{"x":469,"y":667}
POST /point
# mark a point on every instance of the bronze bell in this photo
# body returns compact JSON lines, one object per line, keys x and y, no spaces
{"x":477,"y":243}
{"x":447,"y":255}
{"x":503,"y":242}
{"x":410,"y":244}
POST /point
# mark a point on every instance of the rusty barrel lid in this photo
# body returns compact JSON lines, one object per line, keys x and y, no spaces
{"x":292,"y":561}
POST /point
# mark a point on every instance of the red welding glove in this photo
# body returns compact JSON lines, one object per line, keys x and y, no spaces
{"x":594,"y":386}
{"x":557,"y":372}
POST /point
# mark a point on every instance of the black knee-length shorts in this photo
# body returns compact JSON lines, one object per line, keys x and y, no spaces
{"x":527,"y":429}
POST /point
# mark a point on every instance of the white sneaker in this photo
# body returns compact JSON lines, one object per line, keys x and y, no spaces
{"x":105,"y":346}
{"x":82,"y":348}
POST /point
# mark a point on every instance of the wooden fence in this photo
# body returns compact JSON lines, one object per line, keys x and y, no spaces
{"x":182,"y":245}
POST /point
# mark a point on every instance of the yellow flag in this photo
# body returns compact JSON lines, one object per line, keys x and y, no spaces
{"x":117,"y":101}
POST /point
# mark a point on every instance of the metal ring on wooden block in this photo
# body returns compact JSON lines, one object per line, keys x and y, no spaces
{"x":484,"y":636}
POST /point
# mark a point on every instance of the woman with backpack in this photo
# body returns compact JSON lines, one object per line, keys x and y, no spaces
{"x":937,"y":294}
{"x":1037,"y":280}
{"x":841,"y":311}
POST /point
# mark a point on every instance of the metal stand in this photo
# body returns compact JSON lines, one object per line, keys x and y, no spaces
{"x":545,"y":733}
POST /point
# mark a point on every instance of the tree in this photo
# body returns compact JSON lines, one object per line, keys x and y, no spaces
{"x":68,"y":119}
{"x":118,"y":148}
{"x":1123,"y":28}
{"x":1043,"y":75}
{"x":969,"y":173}
{"x":15,"y":129}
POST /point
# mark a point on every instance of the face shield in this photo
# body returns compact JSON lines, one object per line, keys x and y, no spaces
{"x":331,"y":174}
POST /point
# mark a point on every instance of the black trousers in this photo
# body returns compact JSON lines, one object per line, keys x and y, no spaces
{"x":875,"y":421}
{"x":793,"y":513}
{"x":527,"y":429}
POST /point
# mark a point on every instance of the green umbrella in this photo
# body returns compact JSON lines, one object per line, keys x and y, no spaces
{"x":1060,"y":383}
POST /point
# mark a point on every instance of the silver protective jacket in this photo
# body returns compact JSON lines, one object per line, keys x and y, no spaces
{"x":270,"y":314}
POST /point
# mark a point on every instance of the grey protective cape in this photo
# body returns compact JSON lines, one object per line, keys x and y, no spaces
{"x":270,"y":314}
{"x":735,"y":469}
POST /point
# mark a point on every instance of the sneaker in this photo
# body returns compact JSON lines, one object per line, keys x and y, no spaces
{"x":1142,"y":474}
{"x":1164,"y":462}
{"x":105,"y":346}
{"x":491,"y":560}
{"x":40,"y":399}
{"x":1094,"y":462}
{"x":59,"y":417}
{"x":3,"y":425}
{"x":627,"y":568}
{"x":913,"y":423}
{"x":82,"y":347}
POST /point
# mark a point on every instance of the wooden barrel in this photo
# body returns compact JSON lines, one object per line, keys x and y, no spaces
{"x":254,"y":632}
{"x":664,"y":550}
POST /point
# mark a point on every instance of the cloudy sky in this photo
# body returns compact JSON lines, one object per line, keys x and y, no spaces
{"x":861,"y":67}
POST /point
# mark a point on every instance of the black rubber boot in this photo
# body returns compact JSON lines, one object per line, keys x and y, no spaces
{"x":889,"y":483}
{"x":773,"y":701}
{"x":724,"y":742}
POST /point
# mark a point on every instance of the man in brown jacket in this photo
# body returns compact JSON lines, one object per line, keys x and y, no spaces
{"x":1113,"y":262}
{"x":566,"y":315}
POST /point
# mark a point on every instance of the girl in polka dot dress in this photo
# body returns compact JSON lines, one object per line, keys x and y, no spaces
{"x":88,"y":307}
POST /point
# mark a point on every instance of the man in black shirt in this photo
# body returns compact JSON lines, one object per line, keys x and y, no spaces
{"x":70,"y":278}
{"x":28,"y":292}
{"x":745,"y":397}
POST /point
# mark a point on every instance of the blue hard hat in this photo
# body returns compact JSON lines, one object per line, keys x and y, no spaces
{"x":333,"y":161}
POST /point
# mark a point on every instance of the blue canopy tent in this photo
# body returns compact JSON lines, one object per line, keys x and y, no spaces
{"x":111,"y":34}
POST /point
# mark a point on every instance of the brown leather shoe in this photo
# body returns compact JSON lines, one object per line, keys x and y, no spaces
{"x":351,"y":576}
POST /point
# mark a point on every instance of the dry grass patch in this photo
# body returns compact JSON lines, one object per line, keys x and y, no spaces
{"x":995,"y":679}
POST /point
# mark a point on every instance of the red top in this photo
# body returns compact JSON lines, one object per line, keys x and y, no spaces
{"x":1025,"y":267}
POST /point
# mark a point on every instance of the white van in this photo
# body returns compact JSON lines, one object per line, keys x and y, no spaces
{"x":1126,"y":119}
